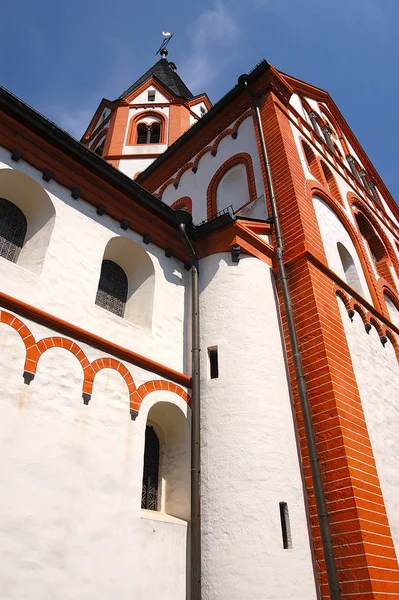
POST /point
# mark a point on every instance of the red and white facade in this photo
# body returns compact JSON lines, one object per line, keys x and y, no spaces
{"x":81,"y":385}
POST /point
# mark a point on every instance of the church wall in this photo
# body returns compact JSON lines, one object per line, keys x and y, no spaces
{"x":377,"y":376}
{"x":195,"y":185}
{"x":333,"y":233}
{"x":70,"y":482}
{"x":249,"y":454}
{"x":68,"y":281}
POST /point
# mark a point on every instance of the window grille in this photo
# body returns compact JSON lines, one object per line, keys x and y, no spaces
{"x":13,"y":227}
{"x":112,"y":288}
{"x":149,"y":493}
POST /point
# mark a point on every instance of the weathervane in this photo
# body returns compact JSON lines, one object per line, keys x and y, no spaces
{"x":167,"y":36}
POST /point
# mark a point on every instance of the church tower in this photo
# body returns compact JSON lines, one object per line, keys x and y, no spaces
{"x":133,"y":130}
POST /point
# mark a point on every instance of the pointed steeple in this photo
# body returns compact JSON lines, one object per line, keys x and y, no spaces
{"x":151,"y":114}
{"x":165,"y":73}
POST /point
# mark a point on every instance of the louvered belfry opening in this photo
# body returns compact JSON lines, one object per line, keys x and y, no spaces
{"x":149,"y":493}
{"x":142,"y":133}
{"x":155,"y":133}
{"x":112,"y":288}
{"x":13,"y":228}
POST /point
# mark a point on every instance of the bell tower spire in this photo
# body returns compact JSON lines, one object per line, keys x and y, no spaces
{"x":131,"y":131}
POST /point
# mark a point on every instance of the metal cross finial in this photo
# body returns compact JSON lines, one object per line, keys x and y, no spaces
{"x":167,"y":36}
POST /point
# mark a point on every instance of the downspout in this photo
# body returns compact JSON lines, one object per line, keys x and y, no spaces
{"x":324,"y":524}
{"x":183,"y":219}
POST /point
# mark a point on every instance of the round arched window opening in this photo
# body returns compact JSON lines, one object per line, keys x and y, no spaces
{"x":112,"y":288}
{"x":100,"y":148}
{"x":13,"y":226}
{"x":149,"y":491}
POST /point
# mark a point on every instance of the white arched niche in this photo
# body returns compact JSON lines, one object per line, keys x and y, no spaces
{"x":349,"y":267}
{"x":341,"y":254}
{"x":392,"y":309}
{"x":233,"y":188}
{"x":139,"y":269}
{"x":35,"y":203}
{"x":173,"y":431}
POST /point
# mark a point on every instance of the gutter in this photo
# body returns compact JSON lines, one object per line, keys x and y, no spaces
{"x":331,"y":567}
{"x":183,"y":220}
{"x":35,"y":122}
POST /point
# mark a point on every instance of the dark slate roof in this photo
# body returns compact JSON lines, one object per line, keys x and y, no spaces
{"x":169,"y":78}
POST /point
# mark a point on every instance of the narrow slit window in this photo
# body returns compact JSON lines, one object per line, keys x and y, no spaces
{"x":151,"y":96}
{"x":285,"y":526}
{"x":149,"y":491}
{"x":213,"y":362}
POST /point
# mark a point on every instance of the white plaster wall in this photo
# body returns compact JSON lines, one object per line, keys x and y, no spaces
{"x":195,"y":185}
{"x":68,"y":281}
{"x":143,"y":97}
{"x":71,"y":525}
{"x":377,"y":375}
{"x":249,"y":451}
{"x":196,"y":108}
{"x":132,"y":166}
{"x":332,"y":231}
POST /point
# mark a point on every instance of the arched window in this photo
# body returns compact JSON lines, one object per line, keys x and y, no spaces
{"x":331,"y":183}
{"x":155,"y":133}
{"x":348,"y":265}
{"x":13,"y":228}
{"x":100,"y":149}
{"x":148,"y":134}
{"x":311,"y":160}
{"x":112,"y":288}
{"x":377,"y":248}
{"x":149,"y":491}
{"x":392,"y":309}
{"x":142,"y":131}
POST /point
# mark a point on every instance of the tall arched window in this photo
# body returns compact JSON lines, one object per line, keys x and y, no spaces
{"x":112,"y":288}
{"x":331,"y":183}
{"x":377,"y":248}
{"x":392,"y":309}
{"x":13,"y":228}
{"x":311,"y":160}
{"x":149,"y":492}
{"x":100,"y":149}
{"x":348,"y":265}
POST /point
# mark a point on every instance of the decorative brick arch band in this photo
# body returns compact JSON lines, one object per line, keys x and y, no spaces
{"x":154,"y":386}
{"x":183,"y":203}
{"x":193,"y":164}
{"x":243,"y":158}
{"x":34,"y":351}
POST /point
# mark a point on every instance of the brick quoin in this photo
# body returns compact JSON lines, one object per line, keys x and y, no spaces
{"x":365,"y":555}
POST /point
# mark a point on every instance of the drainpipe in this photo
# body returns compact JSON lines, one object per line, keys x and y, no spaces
{"x":183,"y":219}
{"x":328,"y":551}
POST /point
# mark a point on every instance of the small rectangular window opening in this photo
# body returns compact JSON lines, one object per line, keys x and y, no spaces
{"x":285,"y":526}
{"x":151,"y":96}
{"x":213,"y":362}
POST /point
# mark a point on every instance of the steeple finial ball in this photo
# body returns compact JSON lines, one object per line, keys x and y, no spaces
{"x":163,"y":52}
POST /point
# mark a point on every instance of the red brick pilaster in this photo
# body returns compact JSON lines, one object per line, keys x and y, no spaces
{"x":365,"y":554}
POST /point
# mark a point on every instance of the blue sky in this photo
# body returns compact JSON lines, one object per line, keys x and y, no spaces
{"x":63,"y":57}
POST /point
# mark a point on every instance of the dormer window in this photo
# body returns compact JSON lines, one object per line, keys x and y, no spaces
{"x":151,"y":96}
{"x":202,"y":110}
